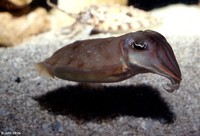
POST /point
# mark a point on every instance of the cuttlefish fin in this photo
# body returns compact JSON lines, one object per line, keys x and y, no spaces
{"x":43,"y":70}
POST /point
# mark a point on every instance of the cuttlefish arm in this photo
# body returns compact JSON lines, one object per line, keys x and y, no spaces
{"x":149,"y":51}
{"x":115,"y":59}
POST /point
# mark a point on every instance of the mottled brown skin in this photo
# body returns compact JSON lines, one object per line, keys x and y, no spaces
{"x":115,"y":59}
{"x":97,"y":60}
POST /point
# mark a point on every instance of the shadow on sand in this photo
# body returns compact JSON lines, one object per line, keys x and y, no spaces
{"x":86,"y":104}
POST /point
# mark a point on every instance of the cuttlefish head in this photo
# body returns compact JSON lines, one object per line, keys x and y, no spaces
{"x":149,"y":51}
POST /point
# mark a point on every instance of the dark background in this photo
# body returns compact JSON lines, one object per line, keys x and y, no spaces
{"x":142,"y":4}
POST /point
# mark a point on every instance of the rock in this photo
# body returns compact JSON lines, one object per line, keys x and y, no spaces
{"x":20,"y":2}
{"x":14,"y":4}
{"x":15,"y":29}
{"x":3,"y":112}
{"x":45,"y":125}
{"x":58,"y":127}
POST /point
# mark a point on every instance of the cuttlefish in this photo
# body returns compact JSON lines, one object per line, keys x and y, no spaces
{"x":113,"y":59}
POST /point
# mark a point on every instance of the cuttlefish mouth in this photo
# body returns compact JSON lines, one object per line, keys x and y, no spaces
{"x":173,"y":74}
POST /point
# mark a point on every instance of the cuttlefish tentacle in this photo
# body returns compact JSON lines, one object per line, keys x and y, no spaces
{"x":173,"y":86}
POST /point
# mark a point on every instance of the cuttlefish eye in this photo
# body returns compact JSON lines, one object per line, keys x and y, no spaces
{"x":139,"y":46}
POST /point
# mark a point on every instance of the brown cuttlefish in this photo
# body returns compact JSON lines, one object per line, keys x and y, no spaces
{"x":115,"y":59}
